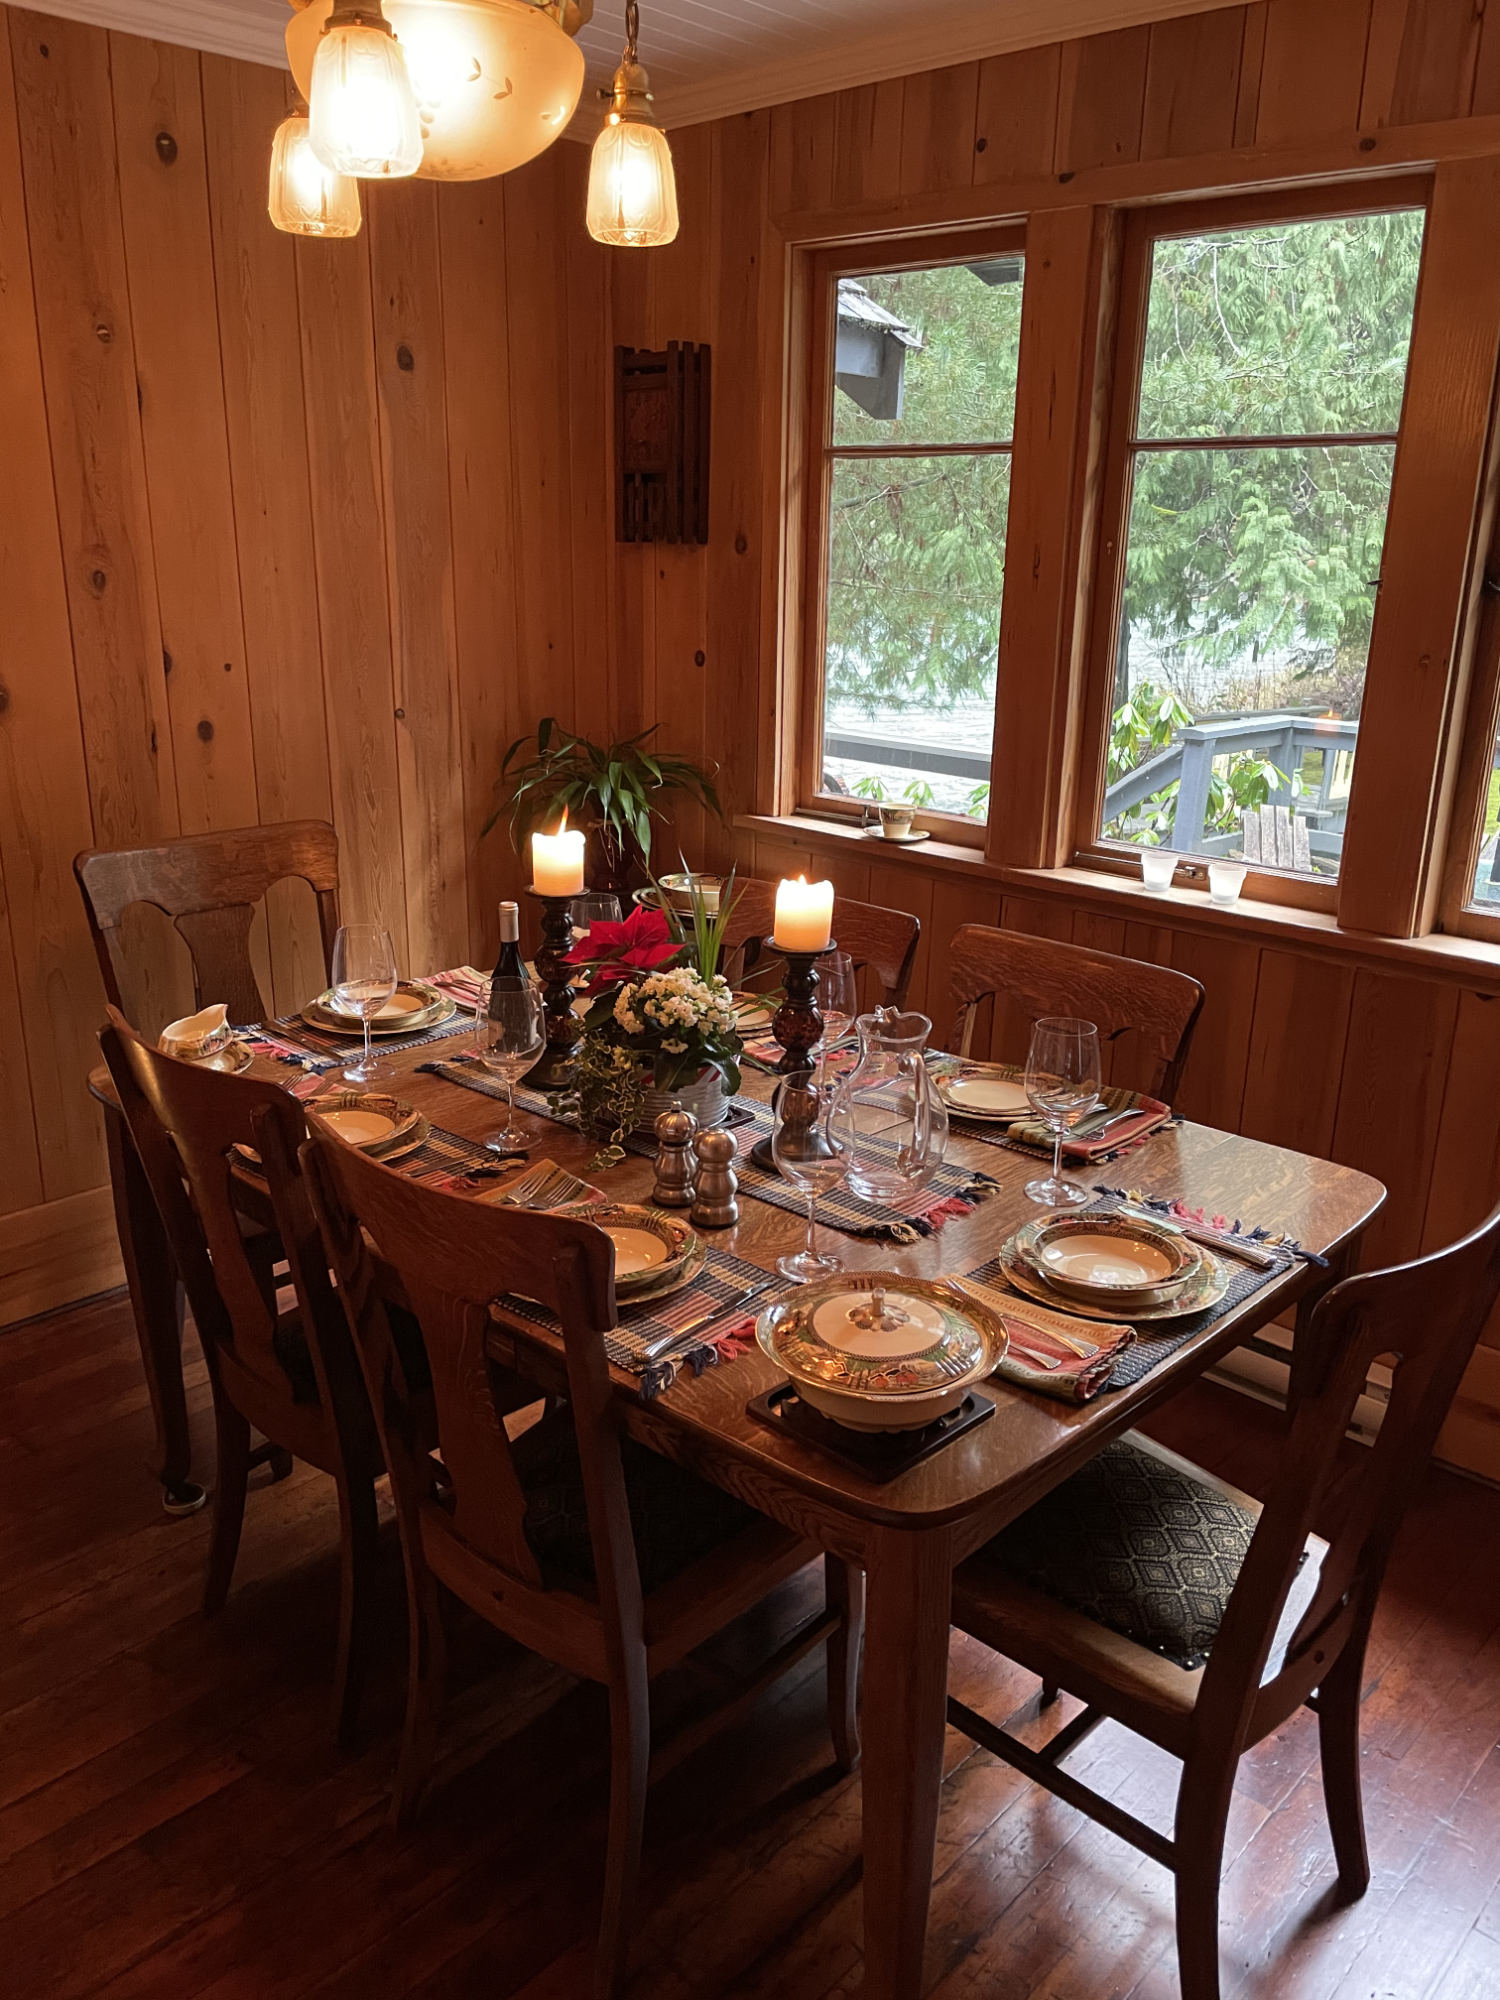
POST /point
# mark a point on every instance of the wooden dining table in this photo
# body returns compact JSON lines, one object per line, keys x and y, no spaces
{"x":910,"y":1532}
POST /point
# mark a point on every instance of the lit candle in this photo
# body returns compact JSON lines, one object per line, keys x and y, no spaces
{"x":804,"y":915}
{"x":557,"y":862}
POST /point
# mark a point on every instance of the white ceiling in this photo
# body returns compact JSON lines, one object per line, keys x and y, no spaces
{"x":708,"y":57}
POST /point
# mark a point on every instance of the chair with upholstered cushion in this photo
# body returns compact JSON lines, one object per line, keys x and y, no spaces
{"x":1202,"y":1619}
{"x":288,"y":1369}
{"x":882,"y":940}
{"x":209,"y":885}
{"x":1145,"y":1013}
{"x":572,"y":1538}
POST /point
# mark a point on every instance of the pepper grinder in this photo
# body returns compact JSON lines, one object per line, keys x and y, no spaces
{"x":718,"y":1183}
{"x":676,"y":1169}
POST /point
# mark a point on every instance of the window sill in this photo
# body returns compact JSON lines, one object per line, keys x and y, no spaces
{"x":1186,"y":909}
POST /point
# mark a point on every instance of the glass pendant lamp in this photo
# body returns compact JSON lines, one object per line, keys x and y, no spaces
{"x":495,"y":81}
{"x":307,"y":198}
{"x":361,"y":107}
{"x":632,"y":199}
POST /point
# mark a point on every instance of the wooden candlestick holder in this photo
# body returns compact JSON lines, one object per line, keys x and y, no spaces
{"x":564,"y":1030}
{"x":797,"y":1025}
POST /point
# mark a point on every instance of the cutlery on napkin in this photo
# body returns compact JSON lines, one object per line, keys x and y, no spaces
{"x":1050,"y":1351}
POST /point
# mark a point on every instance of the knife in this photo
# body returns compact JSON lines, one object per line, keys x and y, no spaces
{"x":657,"y":1349}
{"x":1249,"y":1253}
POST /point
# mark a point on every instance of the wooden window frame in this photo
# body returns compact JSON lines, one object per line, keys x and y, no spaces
{"x":1143,"y":228}
{"x":821,"y":271}
{"x":1476,"y":752}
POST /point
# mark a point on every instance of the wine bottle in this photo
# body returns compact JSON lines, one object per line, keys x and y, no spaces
{"x":510,"y":973}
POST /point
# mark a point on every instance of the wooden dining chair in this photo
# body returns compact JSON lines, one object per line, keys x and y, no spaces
{"x":593,"y":1551}
{"x":883,"y":940}
{"x":1202,"y":1619}
{"x":209,"y":885}
{"x":1145,"y":1013}
{"x":288,"y":1371}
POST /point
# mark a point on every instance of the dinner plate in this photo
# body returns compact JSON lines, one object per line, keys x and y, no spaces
{"x":1205,"y":1289}
{"x":984,"y":1095}
{"x":413,"y":1007}
{"x":670,"y":1280}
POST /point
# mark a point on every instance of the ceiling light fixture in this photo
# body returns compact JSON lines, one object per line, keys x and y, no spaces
{"x":632,"y":200}
{"x":306,"y":198}
{"x":495,"y":81}
{"x":362,"y":111}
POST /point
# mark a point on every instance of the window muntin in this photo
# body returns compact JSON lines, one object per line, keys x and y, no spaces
{"x":1256,"y":487}
{"x":916,"y":486}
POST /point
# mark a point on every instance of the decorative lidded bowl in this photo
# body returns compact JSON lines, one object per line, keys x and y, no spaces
{"x":878,"y":1352}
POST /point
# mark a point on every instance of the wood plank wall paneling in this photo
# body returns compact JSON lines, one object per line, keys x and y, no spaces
{"x":490,"y":453}
{"x":239,"y":532}
{"x":1320,"y":1049}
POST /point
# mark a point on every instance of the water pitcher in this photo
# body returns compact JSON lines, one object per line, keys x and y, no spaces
{"x":899,"y":1125}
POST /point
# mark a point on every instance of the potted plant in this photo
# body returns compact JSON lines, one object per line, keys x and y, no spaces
{"x":613,"y":791}
{"x":660,"y":1029}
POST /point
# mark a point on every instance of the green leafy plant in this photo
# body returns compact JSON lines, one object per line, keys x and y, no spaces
{"x":917,"y":793}
{"x":979,"y":801}
{"x":702,"y":940}
{"x":613,"y":790}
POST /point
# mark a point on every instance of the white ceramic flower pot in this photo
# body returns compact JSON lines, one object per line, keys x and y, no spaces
{"x":705,"y":1099}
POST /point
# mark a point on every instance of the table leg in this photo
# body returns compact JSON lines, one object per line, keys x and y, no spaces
{"x":156,"y":1299}
{"x":904,"y":1709}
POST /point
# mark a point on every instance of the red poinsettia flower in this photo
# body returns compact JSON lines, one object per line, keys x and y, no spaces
{"x":615,"y":953}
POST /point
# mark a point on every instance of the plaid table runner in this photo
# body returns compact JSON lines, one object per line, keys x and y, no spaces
{"x":952,"y":1191}
{"x":722,"y":1280}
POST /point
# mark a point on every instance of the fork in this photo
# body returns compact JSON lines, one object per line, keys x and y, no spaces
{"x":544,"y":1187}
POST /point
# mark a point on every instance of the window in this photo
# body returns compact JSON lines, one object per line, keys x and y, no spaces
{"x":1248,"y":487}
{"x":918,"y":367}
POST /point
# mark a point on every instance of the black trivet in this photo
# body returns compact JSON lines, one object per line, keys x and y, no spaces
{"x":879,"y":1455}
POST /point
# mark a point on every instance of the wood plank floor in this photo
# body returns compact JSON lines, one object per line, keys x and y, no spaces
{"x":173,"y":1822}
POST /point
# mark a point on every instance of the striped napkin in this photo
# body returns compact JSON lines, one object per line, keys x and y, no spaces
{"x":1054,"y":1353}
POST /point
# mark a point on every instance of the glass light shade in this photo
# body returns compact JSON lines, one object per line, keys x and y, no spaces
{"x":495,"y":81}
{"x":361,"y":108}
{"x":307,"y":198}
{"x":632,"y":188}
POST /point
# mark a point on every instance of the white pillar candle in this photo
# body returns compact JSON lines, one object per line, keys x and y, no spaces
{"x":804,"y":915}
{"x":557,"y":862}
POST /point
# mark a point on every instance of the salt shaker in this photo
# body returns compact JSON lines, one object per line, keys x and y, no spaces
{"x":718,"y":1183}
{"x":676,"y":1168}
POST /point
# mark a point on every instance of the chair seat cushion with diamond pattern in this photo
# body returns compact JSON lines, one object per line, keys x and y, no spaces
{"x":1135,"y":1543}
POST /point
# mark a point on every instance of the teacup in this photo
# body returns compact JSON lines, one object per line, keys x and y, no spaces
{"x":896,"y":821}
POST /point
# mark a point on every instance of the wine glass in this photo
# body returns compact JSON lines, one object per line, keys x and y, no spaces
{"x":364,"y":978}
{"x":1063,"y":1074}
{"x":586,"y":911}
{"x":810,"y":1146}
{"x":837,"y":998}
{"x":508,"y":1040}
